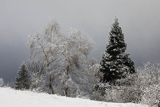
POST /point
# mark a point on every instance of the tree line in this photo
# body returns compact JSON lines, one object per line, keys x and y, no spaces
{"x":59,"y":64}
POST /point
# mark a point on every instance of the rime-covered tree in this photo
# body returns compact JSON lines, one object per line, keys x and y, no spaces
{"x":115,"y":63}
{"x":59,"y":62}
{"x":22,"y":80}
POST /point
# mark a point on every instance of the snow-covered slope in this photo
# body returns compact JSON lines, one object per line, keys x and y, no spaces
{"x":14,"y":98}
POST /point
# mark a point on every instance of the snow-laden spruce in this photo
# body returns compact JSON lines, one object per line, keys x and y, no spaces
{"x":59,"y":62}
{"x":15,"y":98}
{"x":115,"y":63}
{"x":23,"y":79}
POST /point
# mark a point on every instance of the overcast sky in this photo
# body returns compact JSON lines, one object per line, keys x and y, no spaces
{"x":140,"y":21}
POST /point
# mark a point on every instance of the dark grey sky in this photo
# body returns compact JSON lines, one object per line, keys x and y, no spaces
{"x":140,"y":20}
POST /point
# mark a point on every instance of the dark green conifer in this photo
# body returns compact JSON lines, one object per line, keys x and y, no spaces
{"x":115,"y":63}
{"x":22,"y":80}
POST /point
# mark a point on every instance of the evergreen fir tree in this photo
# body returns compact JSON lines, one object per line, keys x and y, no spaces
{"x":115,"y":62}
{"x":23,"y":80}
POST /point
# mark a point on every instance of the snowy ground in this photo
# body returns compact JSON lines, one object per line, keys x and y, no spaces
{"x":13,"y":98}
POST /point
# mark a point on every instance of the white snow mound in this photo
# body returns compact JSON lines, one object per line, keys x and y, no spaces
{"x":13,"y":98}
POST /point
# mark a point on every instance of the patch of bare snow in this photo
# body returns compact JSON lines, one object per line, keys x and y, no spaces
{"x":14,"y":98}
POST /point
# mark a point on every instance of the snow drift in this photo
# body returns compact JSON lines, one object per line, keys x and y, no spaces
{"x":14,"y":98}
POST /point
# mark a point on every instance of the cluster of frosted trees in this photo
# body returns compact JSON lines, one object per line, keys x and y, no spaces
{"x":59,"y":64}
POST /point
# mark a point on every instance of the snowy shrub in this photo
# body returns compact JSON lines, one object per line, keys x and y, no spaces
{"x":1,"y":82}
{"x":131,"y":94}
{"x":99,"y":92}
{"x":123,"y":91}
{"x":151,"y":95}
{"x":149,"y":80}
{"x":113,"y":94}
{"x":123,"y":94}
{"x":141,"y":87}
{"x":131,"y":88}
